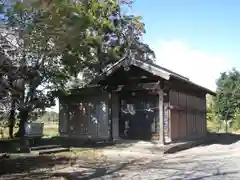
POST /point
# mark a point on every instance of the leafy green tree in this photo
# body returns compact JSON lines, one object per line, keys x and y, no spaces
{"x":88,"y":36}
{"x":25,"y":70}
{"x":8,"y":77}
{"x":236,"y":121}
{"x":57,"y":40}
{"x":213,"y":119}
{"x":49,"y":116}
{"x":228,"y":94}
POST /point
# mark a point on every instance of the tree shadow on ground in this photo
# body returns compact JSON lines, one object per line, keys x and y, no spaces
{"x":19,"y":164}
{"x":125,"y":143}
{"x":76,"y":143}
{"x":179,"y":167}
{"x":211,"y":138}
{"x":96,"y":172}
{"x":221,"y":138}
{"x":78,"y":171}
{"x":154,"y":169}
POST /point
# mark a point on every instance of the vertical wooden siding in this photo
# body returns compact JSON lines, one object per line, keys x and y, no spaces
{"x":187,"y":115}
{"x":115,"y":115}
{"x":63,"y":118}
{"x":86,"y":117}
{"x":78,"y":118}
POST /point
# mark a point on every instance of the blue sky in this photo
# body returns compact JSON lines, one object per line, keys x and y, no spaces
{"x":182,"y":33}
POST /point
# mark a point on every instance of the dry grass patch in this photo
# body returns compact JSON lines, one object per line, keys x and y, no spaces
{"x":43,"y":167}
{"x":90,"y":155}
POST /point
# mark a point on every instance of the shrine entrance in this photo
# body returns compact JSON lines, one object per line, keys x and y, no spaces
{"x":138,"y":111}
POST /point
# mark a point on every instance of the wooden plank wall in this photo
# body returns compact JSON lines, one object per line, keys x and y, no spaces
{"x":188,"y":118}
{"x":87,"y":117}
{"x":78,"y":118}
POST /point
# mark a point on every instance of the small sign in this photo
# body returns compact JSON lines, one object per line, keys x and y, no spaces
{"x":34,"y":129}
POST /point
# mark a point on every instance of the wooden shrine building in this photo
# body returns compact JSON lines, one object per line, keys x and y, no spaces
{"x":135,"y":100}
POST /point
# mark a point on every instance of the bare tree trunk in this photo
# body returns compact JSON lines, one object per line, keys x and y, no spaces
{"x":226,"y":126}
{"x":226,"y":121}
{"x":23,"y":115}
{"x":11,"y":119}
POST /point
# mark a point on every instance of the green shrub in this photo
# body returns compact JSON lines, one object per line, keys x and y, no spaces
{"x":236,"y":121}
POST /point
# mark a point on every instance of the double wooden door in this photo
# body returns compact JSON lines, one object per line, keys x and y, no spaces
{"x":137,"y":115}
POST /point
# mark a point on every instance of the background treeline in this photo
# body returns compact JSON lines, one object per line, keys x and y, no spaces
{"x":225,"y":107}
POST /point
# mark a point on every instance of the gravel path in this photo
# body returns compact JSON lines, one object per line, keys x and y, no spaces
{"x":206,"y":162}
{"x":209,"y":162}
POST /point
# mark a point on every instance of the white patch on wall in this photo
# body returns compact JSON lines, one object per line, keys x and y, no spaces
{"x":131,"y":109}
{"x":103,"y":119}
{"x":93,"y":115}
{"x":98,"y":124}
{"x":93,"y":121}
{"x":104,"y":107}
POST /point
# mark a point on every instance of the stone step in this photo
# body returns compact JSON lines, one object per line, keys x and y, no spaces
{"x":36,"y":148}
{"x":50,"y":151}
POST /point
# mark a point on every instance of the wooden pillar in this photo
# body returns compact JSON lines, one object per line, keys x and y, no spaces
{"x":167,"y":120}
{"x":161,"y":114}
{"x":110,"y":123}
{"x":110,"y":89}
{"x":63,"y":118}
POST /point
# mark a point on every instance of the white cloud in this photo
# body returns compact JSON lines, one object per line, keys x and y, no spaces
{"x":201,"y":67}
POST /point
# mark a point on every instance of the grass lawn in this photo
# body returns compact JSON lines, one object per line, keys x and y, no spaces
{"x":50,"y":129}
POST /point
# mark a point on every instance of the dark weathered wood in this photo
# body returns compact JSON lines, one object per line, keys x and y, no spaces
{"x":143,"y":115}
{"x":185,"y":88}
{"x":138,"y":83}
{"x":180,"y":108}
{"x":110,"y":123}
{"x":187,"y":110}
{"x":150,"y":87}
{"x":121,"y":77}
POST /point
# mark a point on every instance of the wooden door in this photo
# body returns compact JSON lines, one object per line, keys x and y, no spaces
{"x":137,"y":115}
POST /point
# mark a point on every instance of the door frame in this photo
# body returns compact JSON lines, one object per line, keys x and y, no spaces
{"x":147,"y":97}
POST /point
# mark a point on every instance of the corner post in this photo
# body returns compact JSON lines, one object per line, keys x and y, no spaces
{"x":161,"y":113}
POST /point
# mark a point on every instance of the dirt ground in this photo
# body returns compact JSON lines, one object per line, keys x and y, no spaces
{"x":212,"y":161}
